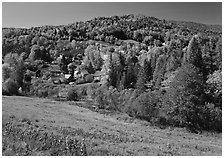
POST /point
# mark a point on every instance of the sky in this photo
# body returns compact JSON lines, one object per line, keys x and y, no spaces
{"x":29,"y":14}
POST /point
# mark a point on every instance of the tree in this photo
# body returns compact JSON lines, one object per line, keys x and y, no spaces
{"x":35,"y":53}
{"x":130,"y":76}
{"x":141,"y":80}
{"x":159,"y":70}
{"x":214,"y":88}
{"x":13,"y":72}
{"x":194,"y":55}
{"x":184,"y":99}
{"x":112,"y":81}
{"x":93,"y":55}
{"x":138,"y":35}
{"x":147,"y":70}
{"x":208,"y":62}
{"x":11,"y":59}
{"x":148,"y":40}
{"x":122,"y":82}
{"x":154,"y":54}
{"x":19,"y":72}
{"x":218,"y":56}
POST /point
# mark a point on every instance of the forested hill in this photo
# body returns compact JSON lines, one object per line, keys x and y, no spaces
{"x":199,"y":27}
{"x":165,"y":72}
{"x":125,"y":24}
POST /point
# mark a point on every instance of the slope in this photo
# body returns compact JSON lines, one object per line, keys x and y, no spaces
{"x":109,"y":134}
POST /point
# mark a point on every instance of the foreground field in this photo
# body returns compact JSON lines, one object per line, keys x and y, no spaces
{"x":107,"y":134}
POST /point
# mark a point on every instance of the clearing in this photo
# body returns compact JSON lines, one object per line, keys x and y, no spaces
{"x":110,"y":134}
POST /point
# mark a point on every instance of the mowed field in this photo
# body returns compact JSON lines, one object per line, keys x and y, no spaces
{"x":110,"y":134}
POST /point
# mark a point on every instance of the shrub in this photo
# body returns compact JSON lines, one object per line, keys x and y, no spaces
{"x":91,"y":89}
{"x":89,"y":78}
{"x":99,"y":97}
{"x":42,"y":93}
{"x":10,"y":87}
{"x":72,"y":95}
{"x":144,"y":107}
{"x":125,"y":97}
{"x":106,"y":98}
{"x":212,"y":117}
{"x":42,"y":89}
{"x":6,"y":71}
{"x":81,"y":91}
{"x":54,"y":92}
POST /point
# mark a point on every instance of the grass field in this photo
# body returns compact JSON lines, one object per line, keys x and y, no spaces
{"x":106,"y":134}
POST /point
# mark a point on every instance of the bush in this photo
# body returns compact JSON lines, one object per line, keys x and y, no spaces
{"x":99,"y":97}
{"x":78,"y":91}
{"x":42,"y":93}
{"x":212,"y":117}
{"x":6,"y":71}
{"x":41,"y":89}
{"x":106,"y":98}
{"x":144,"y":107}
{"x":125,"y":97}
{"x":72,"y":95}
{"x":110,"y":98}
{"x":91,"y":89}
{"x":89,"y":78}
{"x":10,"y":87}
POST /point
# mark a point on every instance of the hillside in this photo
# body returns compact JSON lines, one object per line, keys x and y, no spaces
{"x":108,"y":134}
{"x":167,"y":74}
{"x":199,"y":27}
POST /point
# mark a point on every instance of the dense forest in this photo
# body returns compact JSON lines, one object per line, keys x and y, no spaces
{"x":165,"y":72}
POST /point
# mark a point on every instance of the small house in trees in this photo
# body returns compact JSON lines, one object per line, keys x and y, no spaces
{"x":97,"y":76}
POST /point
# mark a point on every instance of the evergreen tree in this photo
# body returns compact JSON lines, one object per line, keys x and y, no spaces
{"x":193,"y":55}
{"x":159,"y":70}
{"x":208,"y":62}
{"x":218,"y":54}
{"x":131,"y":76}
{"x":122,"y":82}
{"x":147,"y":70}
{"x":141,"y":80}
